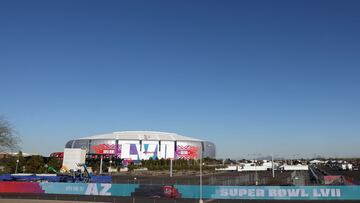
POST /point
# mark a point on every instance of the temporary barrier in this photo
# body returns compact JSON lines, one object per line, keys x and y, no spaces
{"x":190,"y":191}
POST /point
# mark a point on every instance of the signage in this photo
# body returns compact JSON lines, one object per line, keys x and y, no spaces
{"x":191,"y":191}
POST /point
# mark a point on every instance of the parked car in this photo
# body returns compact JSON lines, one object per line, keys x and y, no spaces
{"x":170,"y":191}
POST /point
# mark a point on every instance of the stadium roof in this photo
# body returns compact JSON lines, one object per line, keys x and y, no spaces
{"x":142,"y":135}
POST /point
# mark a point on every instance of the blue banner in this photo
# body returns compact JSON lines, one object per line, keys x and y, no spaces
{"x":187,"y":191}
{"x":104,"y":189}
{"x":272,"y":192}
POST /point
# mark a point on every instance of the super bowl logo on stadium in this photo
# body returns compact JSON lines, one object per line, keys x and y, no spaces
{"x":105,"y":149}
{"x":187,"y":152}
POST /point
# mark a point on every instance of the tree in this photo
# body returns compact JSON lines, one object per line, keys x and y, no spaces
{"x":55,"y":163}
{"x":35,"y":164}
{"x":10,"y":163}
{"x":8,"y":138}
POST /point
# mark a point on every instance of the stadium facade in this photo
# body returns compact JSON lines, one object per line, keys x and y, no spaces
{"x":138,"y":145}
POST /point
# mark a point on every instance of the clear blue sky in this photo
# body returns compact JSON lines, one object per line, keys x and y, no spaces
{"x":279,"y":77}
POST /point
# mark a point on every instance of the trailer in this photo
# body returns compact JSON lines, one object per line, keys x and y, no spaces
{"x":298,"y":167}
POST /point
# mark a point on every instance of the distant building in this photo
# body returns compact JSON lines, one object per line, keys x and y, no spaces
{"x":59,"y":155}
{"x":316,"y":162}
{"x":4,"y":155}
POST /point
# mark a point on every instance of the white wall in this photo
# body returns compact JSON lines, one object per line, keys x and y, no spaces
{"x":73,"y":157}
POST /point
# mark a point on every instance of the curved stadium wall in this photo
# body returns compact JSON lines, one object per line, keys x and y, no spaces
{"x":138,"y":145}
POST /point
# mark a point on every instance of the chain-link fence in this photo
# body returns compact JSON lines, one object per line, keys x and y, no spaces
{"x":227,"y":178}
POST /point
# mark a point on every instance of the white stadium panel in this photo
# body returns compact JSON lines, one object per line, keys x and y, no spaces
{"x":149,"y":149}
{"x":167,"y":150}
{"x":125,"y":150}
{"x":130,"y":149}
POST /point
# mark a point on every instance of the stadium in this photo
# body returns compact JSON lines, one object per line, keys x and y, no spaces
{"x":143,"y":145}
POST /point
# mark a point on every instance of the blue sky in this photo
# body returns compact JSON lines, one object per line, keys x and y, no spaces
{"x":278,"y":77}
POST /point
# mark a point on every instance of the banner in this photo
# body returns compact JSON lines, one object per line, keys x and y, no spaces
{"x":189,"y":191}
{"x":103,"y":189}
{"x":272,"y":192}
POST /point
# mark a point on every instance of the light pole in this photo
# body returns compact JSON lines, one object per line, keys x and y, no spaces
{"x":272,"y":165}
{"x":171,"y":167}
{"x":17,"y":165}
{"x":255,"y":162}
{"x":101,"y":163}
{"x":110,"y":169}
{"x":256,"y":173}
{"x":201,"y":157}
